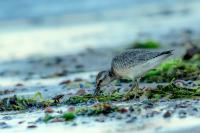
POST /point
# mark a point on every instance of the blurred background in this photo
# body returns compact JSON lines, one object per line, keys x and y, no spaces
{"x":49,"y":27}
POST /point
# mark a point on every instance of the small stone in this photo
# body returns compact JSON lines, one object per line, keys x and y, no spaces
{"x":101,"y":119}
{"x":74,"y":124}
{"x":48,"y":110}
{"x":131,"y":109}
{"x":78,"y":79}
{"x":81,"y":86}
{"x":57,"y":120}
{"x":132,"y":119}
{"x":7,"y":118}
{"x":167,"y":114}
{"x":20,"y":122}
{"x":65,"y":82}
{"x":91,"y":102}
{"x":31,"y":126}
{"x":4,"y":125}
{"x":71,"y":109}
{"x":79,"y":66}
{"x":123,"y":110}
{"x":182,"y":114}
{"x":59,"y":111}
{"x":19,"y":85}
{"x":81,"y":92}
{"x":119,"y":117}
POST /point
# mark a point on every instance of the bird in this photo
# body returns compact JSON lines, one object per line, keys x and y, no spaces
{"x":131,"y":64}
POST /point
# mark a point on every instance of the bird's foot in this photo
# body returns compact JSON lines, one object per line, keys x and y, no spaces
{"x":133,"y":93}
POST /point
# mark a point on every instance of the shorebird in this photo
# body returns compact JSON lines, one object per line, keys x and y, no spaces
{"x":131,"y":64}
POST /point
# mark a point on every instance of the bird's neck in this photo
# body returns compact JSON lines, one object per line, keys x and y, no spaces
{"x":112,"y":75}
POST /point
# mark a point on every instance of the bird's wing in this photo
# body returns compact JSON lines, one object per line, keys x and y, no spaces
{"x":134,"y":57}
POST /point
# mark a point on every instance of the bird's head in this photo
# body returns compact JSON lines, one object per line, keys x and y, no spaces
{"x":103,"y":78}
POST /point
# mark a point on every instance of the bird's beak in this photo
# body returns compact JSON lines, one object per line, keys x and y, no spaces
{"x":96,"y":92}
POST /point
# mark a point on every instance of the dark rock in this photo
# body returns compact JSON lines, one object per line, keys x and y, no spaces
{"x":74,"y":124}
{"x":20,"y":122}
{"x":101,"y":119}
{"x":4,"y":125}
{"x":81,"y":92}
{"x":123,"y":110}
{"x":193,"y":50}
{"x":119,"y":117}
{"x":7,"y":118}
{"x":31,"y":126}
{"x":182,"y":114}
{"x":71,"y":109}
{"x":48,"y":110}
{"x":19,"y":85}
{"x":65,"y":82}
{"x":167,"y":114}
{"x":131,"y":109}
{"x":132,"y":119}
{"x":57,"y":120}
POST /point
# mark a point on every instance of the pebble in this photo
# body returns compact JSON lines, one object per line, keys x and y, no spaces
{"x":132,"y":119}
{"x":7,"y":118}
{"x":123,"y":110}
{"x":65,"y":82}
{"x":71,"y":109}
{"x":167,"y":114}
{"x":20,"y":122}
{"x":119,"y":117}
{"x":19,"y":85}
{"x":57,"y":120}
{"x":74,"y":124}
{"x":81,"y":86}
{"x":101,"y":119}
{"x":131,"y":109}
{"x":4,"y":125}
{"x":182,"y":114}
{"x":48,"y":110}
{"x":81,"y":92}
{"x":31,"y":126}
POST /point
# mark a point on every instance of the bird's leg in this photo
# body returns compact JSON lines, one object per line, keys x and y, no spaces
{"x":135,"y":85}
{"x":134,"y":91}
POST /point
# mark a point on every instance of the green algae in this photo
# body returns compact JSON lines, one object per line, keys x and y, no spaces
{"x":86,"y":98}
{"x":97,"y":109}
{"x":150,"y":44}
{"x":170,"y":91}
{"x":23,"y":103}
{"x":94,"y":110}
{"x":174,"y":69}
{"x":68,"y":116}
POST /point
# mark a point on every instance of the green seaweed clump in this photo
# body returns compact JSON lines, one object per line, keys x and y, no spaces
{"x":94,"y":110}
{"x":149,"y":44}
{"x":169,"y":91}
{"x":173,"y":69}
{"x":86,"y":98}
{"x":102,"y":108}
{"x":22,"y":103}
{"x":66,"y":117}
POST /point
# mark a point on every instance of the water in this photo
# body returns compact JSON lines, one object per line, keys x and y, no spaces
{"x":30,"y":28}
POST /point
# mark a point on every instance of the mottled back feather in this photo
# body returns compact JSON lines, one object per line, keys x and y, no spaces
{"x":133,"y":57}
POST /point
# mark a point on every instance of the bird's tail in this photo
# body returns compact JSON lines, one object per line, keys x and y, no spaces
{"x":168,"y":52}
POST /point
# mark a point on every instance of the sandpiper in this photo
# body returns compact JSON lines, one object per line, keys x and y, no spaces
{"x":131,"y":64}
